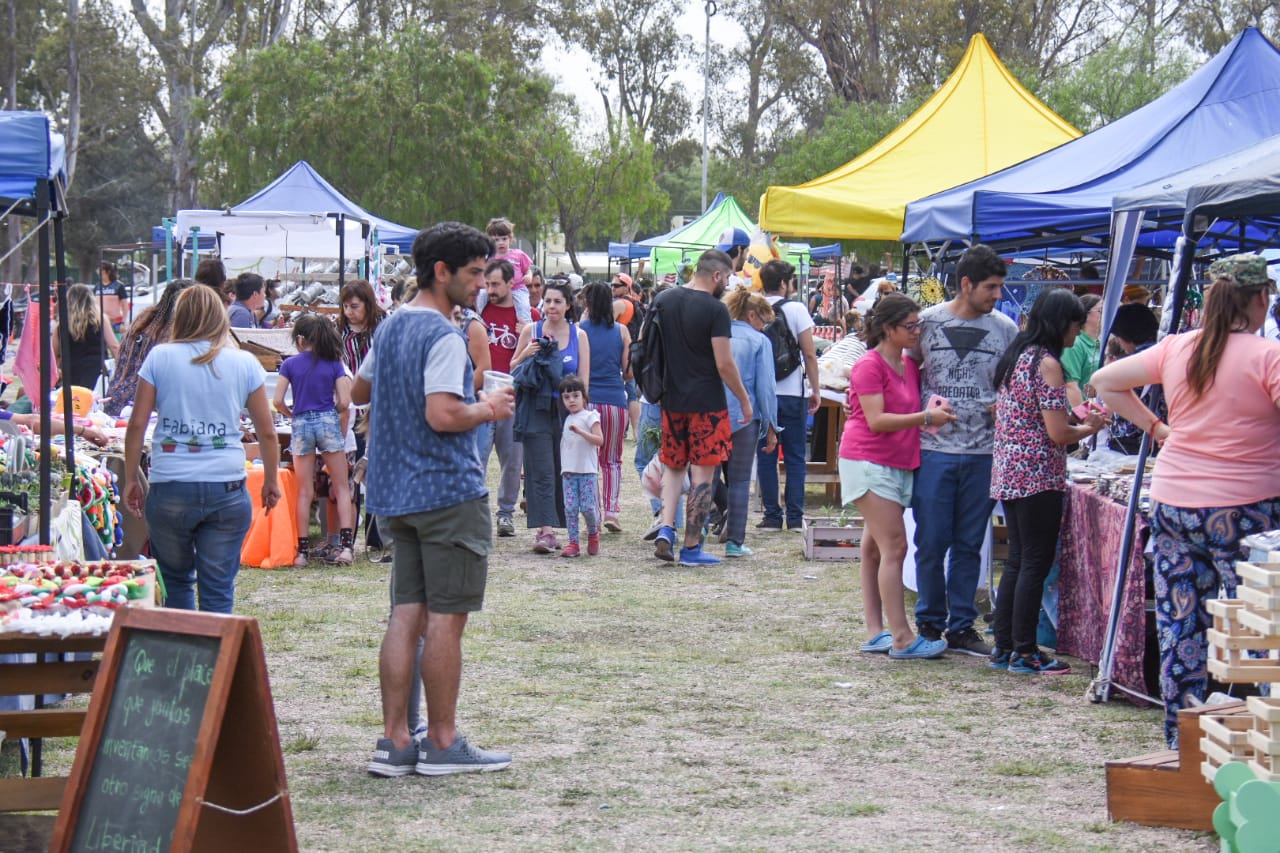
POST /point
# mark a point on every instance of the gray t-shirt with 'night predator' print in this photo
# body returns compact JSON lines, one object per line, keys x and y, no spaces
{"x":958,"y":361}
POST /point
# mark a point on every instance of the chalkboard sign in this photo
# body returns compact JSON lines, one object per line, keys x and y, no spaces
{"x":158,"y":768}
{"x":133,"y":795}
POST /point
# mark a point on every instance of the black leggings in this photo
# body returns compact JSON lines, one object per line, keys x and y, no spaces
{"x":1034,"y":524}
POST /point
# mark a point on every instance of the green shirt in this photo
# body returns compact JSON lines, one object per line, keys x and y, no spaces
{"x":1080,"y":360}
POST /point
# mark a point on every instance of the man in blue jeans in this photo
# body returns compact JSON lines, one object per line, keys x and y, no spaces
{"x":795,"y":404}
{"x":960,"y":343}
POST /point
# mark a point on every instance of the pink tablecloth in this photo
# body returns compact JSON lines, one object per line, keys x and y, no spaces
{"x":1092,"y":527}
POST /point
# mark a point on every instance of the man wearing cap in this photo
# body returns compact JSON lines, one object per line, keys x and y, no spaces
{"x":734,"y":243}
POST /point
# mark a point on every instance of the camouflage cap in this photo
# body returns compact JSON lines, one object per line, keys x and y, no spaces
{"x":1248,"y":269}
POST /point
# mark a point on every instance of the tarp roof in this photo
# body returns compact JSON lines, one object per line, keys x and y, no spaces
{"x":1251,"y":174}
{"x":270,"y":233}
{"x":1229,"y":103}
{"x":980,"y":120}
{"x":301,"y":189}
{"x":29,"y":152}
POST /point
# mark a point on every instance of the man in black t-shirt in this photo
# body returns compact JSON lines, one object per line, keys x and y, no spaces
{"x":696,"y":432}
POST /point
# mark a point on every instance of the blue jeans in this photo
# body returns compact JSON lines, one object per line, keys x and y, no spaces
{"x":952,"y":507}
{"x":792,"y":416}
{"x":648,"y":443}
{"x":196,"y":531}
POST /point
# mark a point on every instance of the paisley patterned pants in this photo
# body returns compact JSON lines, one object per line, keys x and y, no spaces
{"x":1195,"y":551}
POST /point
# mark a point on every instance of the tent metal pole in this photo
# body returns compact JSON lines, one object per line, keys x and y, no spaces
{"x":1100,"y":688}
{"x":64,"y":344}
{"x":46,"y":368}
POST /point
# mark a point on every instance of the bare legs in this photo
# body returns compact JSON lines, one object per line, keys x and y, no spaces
{"x":697,"y":505}
{"x":441,"y":671}
{"x":884,"y":547}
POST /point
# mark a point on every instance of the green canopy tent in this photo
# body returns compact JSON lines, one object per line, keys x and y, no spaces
{"x":667,"y":251}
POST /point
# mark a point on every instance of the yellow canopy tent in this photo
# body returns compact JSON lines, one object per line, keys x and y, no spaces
{"x":979,"y":122}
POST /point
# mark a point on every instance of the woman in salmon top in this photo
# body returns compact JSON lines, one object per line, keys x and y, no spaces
{"x":1215,"y":479}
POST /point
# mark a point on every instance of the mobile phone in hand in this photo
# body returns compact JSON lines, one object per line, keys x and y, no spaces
{"x":935,"y":402}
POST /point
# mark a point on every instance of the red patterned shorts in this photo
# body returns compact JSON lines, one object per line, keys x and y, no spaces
{"x":695,"y":438}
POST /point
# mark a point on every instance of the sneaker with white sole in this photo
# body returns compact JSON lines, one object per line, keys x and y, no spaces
{"x":390,"y":761}
{"x":506,"y":527}
{"x":462,"y":757}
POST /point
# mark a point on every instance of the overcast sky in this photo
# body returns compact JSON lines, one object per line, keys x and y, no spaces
{"x":573,"y":68}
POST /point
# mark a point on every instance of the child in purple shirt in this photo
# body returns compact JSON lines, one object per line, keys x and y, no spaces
{"x":321,"y":397}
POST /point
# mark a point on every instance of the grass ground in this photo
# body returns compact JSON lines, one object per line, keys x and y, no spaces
{"x":655,"y":707}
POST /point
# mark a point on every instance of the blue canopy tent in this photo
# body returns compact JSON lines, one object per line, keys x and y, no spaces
{"x":32,"y":178}
{"x":1063,"y":197}
{"x":301,"y":189}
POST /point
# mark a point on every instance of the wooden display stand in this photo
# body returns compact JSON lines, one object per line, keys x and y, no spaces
{"x":39,"y":793}
{"x":1168,"y":788}
{"x":180,"y":749}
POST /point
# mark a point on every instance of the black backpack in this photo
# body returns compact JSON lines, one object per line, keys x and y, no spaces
{"x":786,"y":349}
{"x":648,"y":360}
{"x":636,"y":323}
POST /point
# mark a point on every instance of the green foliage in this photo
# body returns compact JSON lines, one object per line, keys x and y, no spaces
{"x":599,"y":186}
{"x":1115,"y":80}
{"x":416,"y":132}
{"x":117,"y":190}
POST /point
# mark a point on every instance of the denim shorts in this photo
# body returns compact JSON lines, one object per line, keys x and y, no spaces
{"x":857,"y":477}
{"x":314,"y":431}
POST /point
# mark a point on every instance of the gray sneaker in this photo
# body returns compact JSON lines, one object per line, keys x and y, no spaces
{"x":388,"y":761}
{"x":462,"y":757}
{"x":505,"y":526}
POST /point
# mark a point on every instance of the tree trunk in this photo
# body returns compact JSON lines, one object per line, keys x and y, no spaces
{"x":73,"y":87}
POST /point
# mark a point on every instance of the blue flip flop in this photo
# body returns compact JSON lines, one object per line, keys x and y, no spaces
{"x":878,"y":645}
{"x":920,"y":649}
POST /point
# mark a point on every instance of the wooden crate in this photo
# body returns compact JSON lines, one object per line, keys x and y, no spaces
{"x":1226,"y":738}
{"x":1264,"y":737}
{"x":833,"y":538}
{"x":1231,"y":637}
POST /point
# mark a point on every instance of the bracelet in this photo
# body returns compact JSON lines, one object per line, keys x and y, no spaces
{"x":1151,"y":430}
{"x":928,"y":418}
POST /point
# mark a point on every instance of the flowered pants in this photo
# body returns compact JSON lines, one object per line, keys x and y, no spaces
{"x":1196,"y":551}
{"x":581,"y":495}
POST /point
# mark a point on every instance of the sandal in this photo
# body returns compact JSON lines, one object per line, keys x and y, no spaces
{"x":880,"y":644}
{"x":920,"y":649}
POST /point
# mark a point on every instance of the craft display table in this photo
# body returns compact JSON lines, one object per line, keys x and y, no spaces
{"x":1092,"y":527}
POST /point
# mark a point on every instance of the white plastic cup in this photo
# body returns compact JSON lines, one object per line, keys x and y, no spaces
{"x":496,"y":380}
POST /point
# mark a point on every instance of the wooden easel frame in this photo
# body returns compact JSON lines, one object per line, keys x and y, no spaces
{"x":235,"y":792}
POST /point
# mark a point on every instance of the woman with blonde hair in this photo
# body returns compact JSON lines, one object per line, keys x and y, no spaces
{"x":91,"y":338}
{"x":1215,"y":478}
{"x":149,"y":328}
{"x":197,"y":509}
{"x":753,"y":354}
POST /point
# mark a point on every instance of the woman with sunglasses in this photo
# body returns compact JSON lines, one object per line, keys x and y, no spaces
{"x":879,"y":452}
